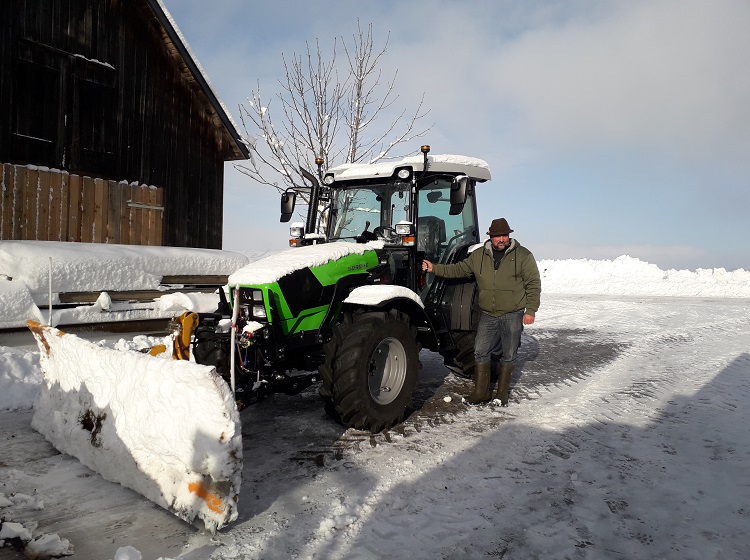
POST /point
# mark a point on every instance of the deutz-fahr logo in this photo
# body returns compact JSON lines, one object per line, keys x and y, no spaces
{"x":358,"y":266}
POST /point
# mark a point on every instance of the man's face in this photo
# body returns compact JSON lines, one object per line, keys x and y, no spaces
{"x":500,"y":242}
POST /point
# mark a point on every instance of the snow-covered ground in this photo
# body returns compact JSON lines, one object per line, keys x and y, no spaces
{"x":626,"y":438}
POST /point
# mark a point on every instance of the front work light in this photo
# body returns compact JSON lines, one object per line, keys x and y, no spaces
{"x":404,"y":228}
{"x":297,"y":230}
{"x":404,"y":173}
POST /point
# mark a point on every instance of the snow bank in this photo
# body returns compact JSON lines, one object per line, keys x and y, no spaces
{"x":19,"y":378}
{"x":168,"y":429}
{"x":628,"y":276}
{"x":93,"y":267}
{"x":86,"y":267}
{"x":17,"y":306}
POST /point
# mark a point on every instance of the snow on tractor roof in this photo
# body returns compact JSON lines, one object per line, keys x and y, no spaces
{"x":473,"y":167}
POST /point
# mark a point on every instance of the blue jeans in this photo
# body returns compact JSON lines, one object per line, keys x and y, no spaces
{"x":499,"y":336}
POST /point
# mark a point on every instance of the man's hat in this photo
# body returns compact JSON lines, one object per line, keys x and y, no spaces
{"x":499,"y":227}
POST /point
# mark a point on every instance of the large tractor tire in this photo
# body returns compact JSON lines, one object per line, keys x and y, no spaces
{"x":370,"y":370}
{"x":461,"y":359}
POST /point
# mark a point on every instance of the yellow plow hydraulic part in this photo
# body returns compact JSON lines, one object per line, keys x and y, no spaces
{"x":182,"y":331}
{"x":187,"y":323}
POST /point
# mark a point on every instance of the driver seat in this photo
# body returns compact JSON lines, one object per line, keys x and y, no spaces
{"x":430,"y":234}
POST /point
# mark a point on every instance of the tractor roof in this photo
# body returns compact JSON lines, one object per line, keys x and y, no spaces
{"x":446,"y":163}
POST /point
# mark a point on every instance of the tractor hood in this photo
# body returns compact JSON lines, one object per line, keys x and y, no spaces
{"x":272,"y":268}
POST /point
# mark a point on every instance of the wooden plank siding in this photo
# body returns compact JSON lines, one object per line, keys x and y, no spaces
{"x":52,"y":205}
{"x":120,"y":103}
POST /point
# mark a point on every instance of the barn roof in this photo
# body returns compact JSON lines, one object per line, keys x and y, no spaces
{"x":196,"y":77}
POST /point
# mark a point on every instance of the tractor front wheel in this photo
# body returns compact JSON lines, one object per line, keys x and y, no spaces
{"x":375,"y":370}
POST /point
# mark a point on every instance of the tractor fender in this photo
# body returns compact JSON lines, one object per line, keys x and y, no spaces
{"x":387,"y":297}
{"x":376,"y":294}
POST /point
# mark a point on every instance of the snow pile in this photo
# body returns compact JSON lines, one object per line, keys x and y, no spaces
{"x":26,"y":267}
{"x":168,"y":429}
{"x":87,"y":267}
{"x":627,"y":276}
{"x":20,"y":378}
{"x":17,"y":303}
{"x":43,"y":546}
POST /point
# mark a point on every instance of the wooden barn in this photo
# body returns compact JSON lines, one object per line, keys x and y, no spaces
{"x":109,"y":131}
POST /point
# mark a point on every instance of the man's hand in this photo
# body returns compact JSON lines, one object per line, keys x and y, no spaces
{"x":426,"y":266}
{"x":528,"y":319}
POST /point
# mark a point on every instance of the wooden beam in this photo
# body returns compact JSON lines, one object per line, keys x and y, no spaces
{"x":196,"y":280}
{"x":133,"y":295}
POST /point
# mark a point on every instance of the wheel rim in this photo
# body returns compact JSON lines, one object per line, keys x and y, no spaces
{"x":387,"y":371}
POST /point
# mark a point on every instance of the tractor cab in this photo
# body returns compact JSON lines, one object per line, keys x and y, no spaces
{"x":420,"y":207}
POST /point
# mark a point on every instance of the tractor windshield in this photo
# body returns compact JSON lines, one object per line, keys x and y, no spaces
{"x":370,"y":210}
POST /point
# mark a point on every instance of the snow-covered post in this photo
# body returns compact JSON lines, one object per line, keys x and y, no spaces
{"x":49,"y":301}
{"x":235,"y":315}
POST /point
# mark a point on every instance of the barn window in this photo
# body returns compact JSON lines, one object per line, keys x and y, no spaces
{"x":96,"y":112}
{"x":65,"y":110}
{"x":37,"y":112}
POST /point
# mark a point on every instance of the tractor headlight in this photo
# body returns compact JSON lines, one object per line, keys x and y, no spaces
{"x":259,"y":311}
{"x":259,"y":308}
{"x":404,"y":228}
{"x":297,"y":230}
{"x":405,"y":233}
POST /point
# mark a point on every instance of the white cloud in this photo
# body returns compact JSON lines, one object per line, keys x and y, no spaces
{"x":668,"y":75}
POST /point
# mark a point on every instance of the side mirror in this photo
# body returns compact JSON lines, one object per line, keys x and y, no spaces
{"x":459,"y":188}
{"x":288,"y":199}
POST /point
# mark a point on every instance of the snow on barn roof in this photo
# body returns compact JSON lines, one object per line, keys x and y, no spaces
{"x":450,"y":163}
{"x":196,"y":74}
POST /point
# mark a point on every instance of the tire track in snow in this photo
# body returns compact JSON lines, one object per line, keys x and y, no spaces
{"x":649,"y":370}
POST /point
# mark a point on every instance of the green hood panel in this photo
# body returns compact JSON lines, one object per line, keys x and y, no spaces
{"x":301,"y":296}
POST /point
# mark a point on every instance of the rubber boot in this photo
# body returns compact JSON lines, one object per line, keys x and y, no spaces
{"x":481,"y":392}
{"x":503,"y":383}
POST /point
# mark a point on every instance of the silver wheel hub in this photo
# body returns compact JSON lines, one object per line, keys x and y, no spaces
{"x":387,"y":371}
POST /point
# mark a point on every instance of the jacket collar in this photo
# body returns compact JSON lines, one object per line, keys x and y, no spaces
{"x":488,"y":246}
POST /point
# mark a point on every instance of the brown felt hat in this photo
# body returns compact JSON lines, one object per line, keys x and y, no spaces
{"x":499,"y":227}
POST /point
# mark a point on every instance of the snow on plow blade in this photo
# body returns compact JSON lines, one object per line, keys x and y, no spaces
{"x":168,"y":429}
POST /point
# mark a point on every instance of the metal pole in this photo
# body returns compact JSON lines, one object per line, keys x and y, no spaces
{"x":232,"y":347}
{"x":49,"y":315}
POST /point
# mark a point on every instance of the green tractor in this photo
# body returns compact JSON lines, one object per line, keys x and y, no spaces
{"x":348,"y":304}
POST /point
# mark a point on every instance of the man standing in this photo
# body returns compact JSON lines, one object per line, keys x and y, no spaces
{"x":509,"y":286}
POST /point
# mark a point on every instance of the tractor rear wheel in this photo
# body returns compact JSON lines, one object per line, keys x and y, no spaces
{"x":461,"y":360}
{"x":374,"y":370}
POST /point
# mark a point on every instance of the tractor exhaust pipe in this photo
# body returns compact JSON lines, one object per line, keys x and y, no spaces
{"x":312,"y":212}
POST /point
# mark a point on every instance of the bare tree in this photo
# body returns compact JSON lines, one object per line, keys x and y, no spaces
{"x":326,"y":114}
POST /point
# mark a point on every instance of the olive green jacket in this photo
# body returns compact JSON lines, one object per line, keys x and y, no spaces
{"x":515,"y":285}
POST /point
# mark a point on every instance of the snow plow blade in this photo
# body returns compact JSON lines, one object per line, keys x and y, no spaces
{"x":167,"y":429}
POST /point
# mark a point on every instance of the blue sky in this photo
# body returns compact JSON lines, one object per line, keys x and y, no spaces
{"x":611,"y":127}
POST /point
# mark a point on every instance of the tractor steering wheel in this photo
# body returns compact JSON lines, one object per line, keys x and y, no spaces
{"x":384,"y":232}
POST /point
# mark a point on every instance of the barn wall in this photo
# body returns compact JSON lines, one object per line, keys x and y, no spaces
{"x":37,"y":203}
{"x":95,"y":89}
